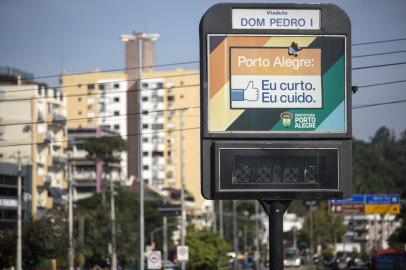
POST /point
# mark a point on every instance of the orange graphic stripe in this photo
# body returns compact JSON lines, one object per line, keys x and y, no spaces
{"x":219,"y":59}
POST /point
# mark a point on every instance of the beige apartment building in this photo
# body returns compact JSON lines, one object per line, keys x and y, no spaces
{"x":34,"y":123}
{"x":181,"y":91}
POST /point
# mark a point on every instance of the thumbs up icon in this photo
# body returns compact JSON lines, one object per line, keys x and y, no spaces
{"x":251,"y":92}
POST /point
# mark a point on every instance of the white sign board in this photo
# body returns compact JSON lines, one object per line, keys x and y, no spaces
{"x":303,"y":19}
{"x":182,"y":253}
{"x":154,"y":260}
{"x":276,"y":77}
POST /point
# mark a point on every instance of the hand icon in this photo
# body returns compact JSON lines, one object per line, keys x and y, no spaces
{"x":250,"y":92}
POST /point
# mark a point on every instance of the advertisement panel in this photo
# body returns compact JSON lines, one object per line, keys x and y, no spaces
{"x":276,"y":84}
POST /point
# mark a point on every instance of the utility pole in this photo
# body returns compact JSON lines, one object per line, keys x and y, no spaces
{"x":19,"y":241}
{"x":311,"y":233}
{"x":221,"y":222}
{"x":235,"y":236}
{"x":182,"y":190}
{"x":257,"y":240}
{"x":113,"y":224}
{"x":70,"y":215}
{"x":165,"y":240}
{"x":140,"y":52}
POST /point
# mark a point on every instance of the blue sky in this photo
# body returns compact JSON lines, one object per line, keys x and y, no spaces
{"x":47,"y":36}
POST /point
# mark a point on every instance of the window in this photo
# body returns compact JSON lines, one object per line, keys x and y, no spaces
{"x":157,"y":99}
{"x":90,"y":87}
{"x":145,"y":85}
{"x":144,"y":98}
{"x":144,"y":125}
{"x":102,"y":86}
{"x":79,"y":99}
{"x":145,"y":140}
{"x":144,"y":154}
{"x":157,"y":153}
{"x":145,"y":167}
{"x":116,"y":127}
{"x":145,"y":112}
{"x":116,"y":99}
{"x":159,"y":85}
{"x":157,"y":126}
{"x":116,"y":113}
{"x":116,"y":86}
{"x":80,"y":112}
{"x":89,"y":107}
{"x":171,"y":98}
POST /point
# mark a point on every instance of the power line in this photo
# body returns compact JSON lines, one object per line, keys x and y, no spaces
{"x":376,"y":66}
{"x":376,"y":54}
{"x":83,"y":140}
{"x":169,"y":76}
{"x":96,"y":117}
{"x":379,"y":41}
{"x":190,"y":62}
{"x":379,"y":84}
{"x":379,"y":104}
{"x":99,"y":94}
{"x":79,"y":85}
{"x":172,"y":130}
{"x":114,"y":70}
{"x":167,"y":88}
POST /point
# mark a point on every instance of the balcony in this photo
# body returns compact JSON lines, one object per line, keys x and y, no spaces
{"x":58,"y":119}
{"x":80,"y":176}
{"x":58,"y":161}
{"x":44,"y":180}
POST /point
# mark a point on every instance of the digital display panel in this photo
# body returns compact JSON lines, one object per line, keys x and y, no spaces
{"x":278,"y":169}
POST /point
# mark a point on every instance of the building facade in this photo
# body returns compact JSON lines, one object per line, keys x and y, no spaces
{"x":84,"y":171}
{"x":98,"y":100}
{"x":34,"y":123}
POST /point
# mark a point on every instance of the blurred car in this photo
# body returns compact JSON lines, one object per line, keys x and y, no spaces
{"x":292,"y":258}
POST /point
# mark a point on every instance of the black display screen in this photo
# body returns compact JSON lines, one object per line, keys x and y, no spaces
{"x":284,"y":169}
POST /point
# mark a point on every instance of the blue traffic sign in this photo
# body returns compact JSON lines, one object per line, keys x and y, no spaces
{"x":355,"y":199}
{"x":382,"y":199}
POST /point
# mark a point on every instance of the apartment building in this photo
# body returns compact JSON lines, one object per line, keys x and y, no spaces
{"x":34,"y":118}
{"x":370,"y":231}
{"x":181,"y":120}
{"x":98,"y":100}
{"x":177,"y":94}
{"x":88,"y":175}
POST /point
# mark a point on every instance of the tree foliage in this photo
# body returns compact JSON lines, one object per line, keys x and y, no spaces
{"x":207,"y":250}
{"x":105,"y":148}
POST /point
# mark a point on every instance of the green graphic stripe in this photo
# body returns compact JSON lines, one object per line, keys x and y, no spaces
{"x":333,"y":84}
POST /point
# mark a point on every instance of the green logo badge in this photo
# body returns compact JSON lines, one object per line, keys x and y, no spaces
{"x":286,"y":118}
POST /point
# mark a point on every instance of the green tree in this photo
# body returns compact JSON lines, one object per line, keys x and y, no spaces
{"x":96,"y":234}
{"x":326,"y":228}
{"x":207,"y":250}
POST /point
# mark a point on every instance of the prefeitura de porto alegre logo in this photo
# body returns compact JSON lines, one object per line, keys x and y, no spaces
{"x":286,"y":118}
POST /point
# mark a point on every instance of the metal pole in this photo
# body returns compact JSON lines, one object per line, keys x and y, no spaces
{"x":182,"y":190}
{"x":19,"y":242}
{"x":70,"y":217}
{"x":235,"y":236}
{"x":311,"y":234}
{"x":276,"y":235}
{"x":140,"y":51}
{"x":221,"y":222}
{"x":257,"y":240}
{"x":165,"y":241}
{"x":113,"y":224}
{"x":214,"y":218}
